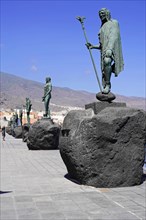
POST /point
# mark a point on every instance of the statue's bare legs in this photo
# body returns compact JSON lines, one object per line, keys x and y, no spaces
{"x":47,"y":110}
{"x":28,"y":118}
{"x":107,"y":74}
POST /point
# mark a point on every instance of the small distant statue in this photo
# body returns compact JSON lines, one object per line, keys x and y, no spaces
{"x":47,"y":96}
{"x":16,"y":119}
{"x":28,"y":109}
{"x":110,"y":47}
{"x":20,"y":116}
{"x":13,"y":124}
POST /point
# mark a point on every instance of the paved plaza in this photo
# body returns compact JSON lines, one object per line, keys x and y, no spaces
{"x":34,"y":186}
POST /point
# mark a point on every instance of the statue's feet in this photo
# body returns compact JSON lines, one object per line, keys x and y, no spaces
{"x":106,"y":90}
{"x":47,"y":116}
{"x":105,"y":97}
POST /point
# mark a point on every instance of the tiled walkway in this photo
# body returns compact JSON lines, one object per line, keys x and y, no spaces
{"x":33,"y":187}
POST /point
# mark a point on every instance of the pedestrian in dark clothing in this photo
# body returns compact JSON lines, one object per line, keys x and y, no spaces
{"x":3,"y":132}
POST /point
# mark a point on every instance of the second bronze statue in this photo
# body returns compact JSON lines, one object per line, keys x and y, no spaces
{"x":47,"y":96}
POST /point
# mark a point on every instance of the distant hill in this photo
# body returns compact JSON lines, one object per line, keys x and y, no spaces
{"x":15,"y":89}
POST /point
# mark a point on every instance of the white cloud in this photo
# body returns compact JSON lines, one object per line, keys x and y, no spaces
{"x":87,"y":72}
{"x":34,"y":68}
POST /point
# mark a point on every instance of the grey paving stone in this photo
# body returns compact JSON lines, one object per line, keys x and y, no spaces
{"x":24,"y":205}
{"x":6,"y":204}
{"x":105,"y":216}
{"x":42,"y":198}
{"x":45,"y":206}
{"x":78,"y":215}
{"x":25,"y":211}
{"x":8,"y":214}
{"x":23,"y":198}
{"x":53,"y":215}
{"x":140,"y":214}
{"x":34,"y":187}
{"x":29,"y":216}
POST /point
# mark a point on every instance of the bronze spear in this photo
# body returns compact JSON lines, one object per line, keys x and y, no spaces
{"x":81,"y":20}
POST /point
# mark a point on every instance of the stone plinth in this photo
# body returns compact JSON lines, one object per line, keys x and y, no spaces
{"x":107,"y":149}
{"x":43,"y":135}
{"x":99,"y":106}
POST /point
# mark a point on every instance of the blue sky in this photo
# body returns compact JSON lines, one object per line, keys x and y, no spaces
{"x":43,"y":38}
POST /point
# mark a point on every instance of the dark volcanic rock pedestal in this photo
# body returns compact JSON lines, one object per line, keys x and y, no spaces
{"x":43,"y":135}
{"x":18,"y":132}
{"x":15,"y":132}
{"x":25,"y":130}
{"x":107,"y":149}
{"x":9,"y":130}
{"x":74,"y":117}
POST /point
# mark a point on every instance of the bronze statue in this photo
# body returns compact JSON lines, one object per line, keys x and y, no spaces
{"x":13,"y":123}
{"x":28,"y":109}
{"x":20,"y":116}
{"x":110,"y":47}
{"x":16,"y":118}
{"x":47,"y":96}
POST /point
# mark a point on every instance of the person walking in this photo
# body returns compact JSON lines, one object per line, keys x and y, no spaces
{"x":3,"y":132}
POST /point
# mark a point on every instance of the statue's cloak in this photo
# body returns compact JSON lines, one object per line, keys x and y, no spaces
{"x":109,"y":38}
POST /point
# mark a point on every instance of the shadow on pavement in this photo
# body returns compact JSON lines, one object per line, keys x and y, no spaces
{"x":75,"y":181}
{"x":69,"y":178}
{"x":3,"y":192}
{"x":144,"y":177}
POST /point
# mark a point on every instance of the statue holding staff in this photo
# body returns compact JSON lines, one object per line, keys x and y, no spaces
{"x":110,"y":48}
{"x":47,"y":96}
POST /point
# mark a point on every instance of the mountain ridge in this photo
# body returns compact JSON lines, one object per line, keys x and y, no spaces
{"x":12,"y":85}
